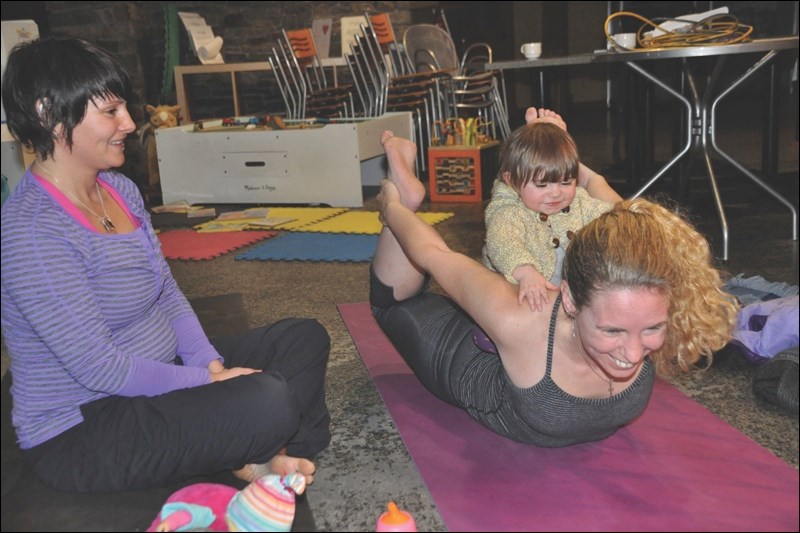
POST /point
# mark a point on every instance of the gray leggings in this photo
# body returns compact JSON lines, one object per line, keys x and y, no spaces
{"x":434,"y":337}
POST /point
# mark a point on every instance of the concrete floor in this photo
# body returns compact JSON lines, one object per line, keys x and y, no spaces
{"x":367,"y":464}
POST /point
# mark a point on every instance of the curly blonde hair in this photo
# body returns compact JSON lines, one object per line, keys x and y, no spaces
{"x":642,"y":244}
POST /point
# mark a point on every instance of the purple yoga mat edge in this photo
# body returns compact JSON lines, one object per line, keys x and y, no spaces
{"x":677,"y":468}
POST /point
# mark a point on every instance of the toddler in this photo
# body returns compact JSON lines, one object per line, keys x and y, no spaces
{"x":537,"y":206}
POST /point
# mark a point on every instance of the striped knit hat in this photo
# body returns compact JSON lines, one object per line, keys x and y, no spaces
{"x":266,"y":504}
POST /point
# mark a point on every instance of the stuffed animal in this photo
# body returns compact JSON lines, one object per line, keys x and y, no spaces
{"x":163,"y":116}
{"x":266,"y":504}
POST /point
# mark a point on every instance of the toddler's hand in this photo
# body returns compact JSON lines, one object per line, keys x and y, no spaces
{"x":533,"y":289}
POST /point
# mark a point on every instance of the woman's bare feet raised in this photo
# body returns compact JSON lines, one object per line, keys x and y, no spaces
{"x":533,"y":115}
{"x":401,"y":154}
{"x":280,"y":465}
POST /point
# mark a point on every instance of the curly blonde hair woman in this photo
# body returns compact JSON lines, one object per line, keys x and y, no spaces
{"x":643,"y":244}
{"x":639,"y":294}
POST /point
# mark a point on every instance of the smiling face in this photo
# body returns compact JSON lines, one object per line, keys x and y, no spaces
{"x":620,"y":327}
{"x":539,"y":156}
{"x":97,"y":141}
{"x":548,"y":198}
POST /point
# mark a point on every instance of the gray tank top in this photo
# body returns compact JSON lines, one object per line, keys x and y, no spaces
{"x":550,"y":417}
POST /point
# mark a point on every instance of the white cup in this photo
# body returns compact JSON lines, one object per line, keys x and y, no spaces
{"x":531,"y":50}
{"x":624,"y":40}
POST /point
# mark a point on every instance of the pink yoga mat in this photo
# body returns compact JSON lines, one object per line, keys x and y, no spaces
{"x":677,"y":468}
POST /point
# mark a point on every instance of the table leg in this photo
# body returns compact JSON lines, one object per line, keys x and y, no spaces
{"x":769,"y":148}
{"x":701,"y":130}
{"x":688,"y":144}
{"x":712,"y":133}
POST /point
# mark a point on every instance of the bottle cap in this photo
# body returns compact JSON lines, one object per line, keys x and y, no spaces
{"x":395,"y":520}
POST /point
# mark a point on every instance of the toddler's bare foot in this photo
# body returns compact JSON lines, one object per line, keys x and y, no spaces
{"x":280,"y":465}
{"x":533,"y":115}
{"x":401,"y":154}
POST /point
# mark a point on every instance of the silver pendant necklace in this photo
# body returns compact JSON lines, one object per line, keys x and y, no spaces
{"x":609,"y":382}
{"x":104,"y":219}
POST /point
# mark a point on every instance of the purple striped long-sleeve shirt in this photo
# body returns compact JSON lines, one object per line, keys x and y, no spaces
{"x":86,"y":315}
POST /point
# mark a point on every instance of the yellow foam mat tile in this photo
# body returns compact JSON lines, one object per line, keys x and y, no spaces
{"x":301,"y":216}
{"x":364,"y":222}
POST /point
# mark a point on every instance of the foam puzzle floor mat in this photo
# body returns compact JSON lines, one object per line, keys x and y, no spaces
{"x":306,"y":246}
{"x":365,"y":222}
{"x":300,"y":217}
{"x":188,"y":244}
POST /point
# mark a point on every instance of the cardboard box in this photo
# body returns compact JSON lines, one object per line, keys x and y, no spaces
{"x":462,"y":173}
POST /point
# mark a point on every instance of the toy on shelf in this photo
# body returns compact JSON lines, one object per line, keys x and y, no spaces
{"x":266,"y":504}
{"x":163,"y":116}
{"x":461,"y":132}
{"x":267,"y":122}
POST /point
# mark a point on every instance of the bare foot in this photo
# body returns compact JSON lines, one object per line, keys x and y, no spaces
{"x":532,"y":115}
{"x":401,"y":154}
{"x":280,"y":465}
{"x":286,"y":464}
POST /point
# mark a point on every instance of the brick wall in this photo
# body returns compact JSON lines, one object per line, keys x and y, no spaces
{"x":134,"y":31}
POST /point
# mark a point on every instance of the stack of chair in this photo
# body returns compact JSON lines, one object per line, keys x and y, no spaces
{"x":467,"y":92}
{"x":480,"y":94}
{"x":384,"y":81}
{"x":472,"y":62}
{"x":302,"y":80}
{"x":380,"y":26}
{"x":429,"y":48}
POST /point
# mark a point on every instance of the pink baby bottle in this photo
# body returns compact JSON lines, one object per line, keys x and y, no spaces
{"x":395,"y":520}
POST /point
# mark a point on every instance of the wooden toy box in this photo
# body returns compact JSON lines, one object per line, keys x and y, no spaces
{"x":462,"y":173}
{"x":321,"y":164}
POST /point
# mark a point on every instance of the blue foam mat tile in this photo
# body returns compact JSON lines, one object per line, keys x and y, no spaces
{"x":308,"y":246}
